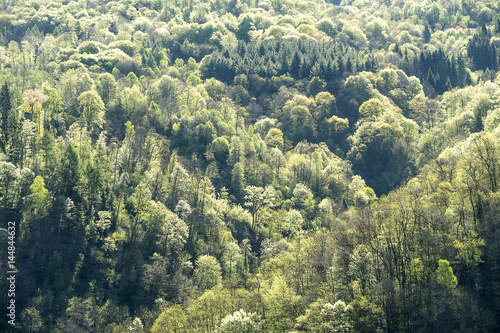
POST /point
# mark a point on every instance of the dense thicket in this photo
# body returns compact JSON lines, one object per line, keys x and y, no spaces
{"x":251,"y":166}
{"x":299,"y":59}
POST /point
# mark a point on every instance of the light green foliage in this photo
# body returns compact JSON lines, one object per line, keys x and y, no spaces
{"x":220,"y":149}
{"x":54,"y":104}
{"x":137,"y":326}
{"x":419,"y":109}
{"x":134,"y":101}
{"x":258,"y":198}
{"x":301,"y":122}
{"x":372,"y":108}
{"x":311,"y":320}
{"x":326,"y":106}
{"x":361,"y":268}
{"x":183,"y":210}
{"x":97,"y":229}
{"x":71,"y":85}
{"x":10,"y":181}
{"x":337,"y":126}
{"x":40,"y":197}
{"x":214,"y":88}
{"x":172,"y":320}
{"x":207,"y":272}
{"x":232,"y":259}
{"x":82,"y":314}
{"x":388,"y":80}
{"x":417,"y":271}
{"x":355,"y":34}
{"x":106,"y":86}
{"x":264,"y":125}
{"x":445,"y":277}
{"x":92,"y":108}
{"x":360,"y":88}
{"x":207,"y":311}
{"x":327,"y":27}
{"x":294,"y":222}
{"x":240,"y":322}
{"x":274,"y":138}
{"x":377,"y":26}
{"x":366,"y":315}
{"x":282,"y":305}
{"x":300,"y":194}
{"x":337,"y":317}
{"x":179,"y":186}
{"x":173,"y":230}
{"x":470,"y":250}
{"x":126,"y":46}
{"x":31,"y":320}
{"x":33,"y":101}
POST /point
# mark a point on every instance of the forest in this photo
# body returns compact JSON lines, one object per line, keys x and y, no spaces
{"x":245,"y":166}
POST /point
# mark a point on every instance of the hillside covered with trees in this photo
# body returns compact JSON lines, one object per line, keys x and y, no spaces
{"x":237,"y":166}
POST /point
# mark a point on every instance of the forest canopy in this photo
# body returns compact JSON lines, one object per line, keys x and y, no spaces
{"x":250,"y":166}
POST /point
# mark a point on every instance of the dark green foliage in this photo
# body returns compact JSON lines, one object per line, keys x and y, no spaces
{"x":238,"y":181}
{"x":382,"y":156}
{"x":275,"y":58}
{"x":5,"y":110}
{"x":426,"y":34}
{"x":441,"y":71}
{"x":70,"y":172}
{"x":13,"y":136}
{"x":244,"y":28}
{"x":481,"y":51}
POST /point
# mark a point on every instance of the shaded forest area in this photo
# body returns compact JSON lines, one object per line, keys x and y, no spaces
{"x":251,"y":166}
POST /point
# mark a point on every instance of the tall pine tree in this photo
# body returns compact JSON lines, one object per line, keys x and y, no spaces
{"x":481,"y":51}
{"x":5,"y":107}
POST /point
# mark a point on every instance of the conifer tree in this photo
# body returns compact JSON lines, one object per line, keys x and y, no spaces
{"x":5,"y":108}
{"x":426,"y":34}
{"x":70,"y":171}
